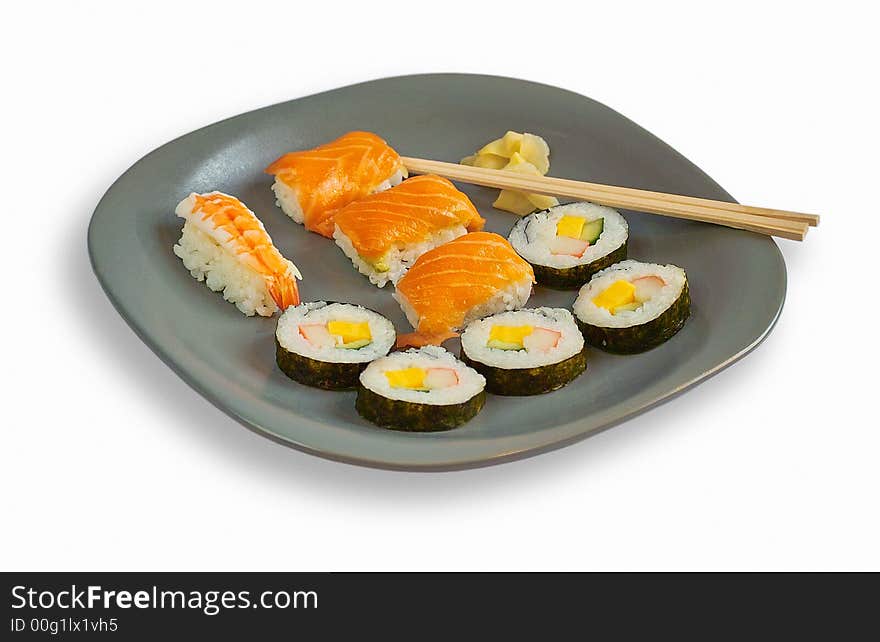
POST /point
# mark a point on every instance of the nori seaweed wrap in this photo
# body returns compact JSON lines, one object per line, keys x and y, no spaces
{"x":327,"y":375}
{"x":424,"y":390}
{"x":525,"y":352}
{"x":659,"y":306}
{"x":567,"y":244}
{"x":415,"y":417}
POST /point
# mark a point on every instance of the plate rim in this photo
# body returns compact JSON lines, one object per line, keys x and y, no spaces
{"x":463,"y":463}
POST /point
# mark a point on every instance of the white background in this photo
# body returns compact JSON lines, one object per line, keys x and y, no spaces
{"x":110,"y":462}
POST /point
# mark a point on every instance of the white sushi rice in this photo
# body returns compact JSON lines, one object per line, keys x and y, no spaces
{"x":287,"y":197}
{"x":475,"y":336}
{"x":222,"y":272}
{"x":399,"y":259}
{"x":470,"y":382}
{"x":531,"y":236}
{"x":289,"y":337}
{"x":512,"y":298}
{"x":589,"y":313}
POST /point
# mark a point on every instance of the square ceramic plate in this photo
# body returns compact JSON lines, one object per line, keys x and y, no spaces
{"x":737,"y":278}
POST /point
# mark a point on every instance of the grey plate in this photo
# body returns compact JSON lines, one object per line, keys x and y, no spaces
{"x":737,"y":278}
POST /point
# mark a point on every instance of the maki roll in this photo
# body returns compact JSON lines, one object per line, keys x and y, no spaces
{"x":569,"y":243}
{"x":525,"y":352}
{"x":420,"y":390}
{"x":632,"y":306}
{"x":327,"y":345}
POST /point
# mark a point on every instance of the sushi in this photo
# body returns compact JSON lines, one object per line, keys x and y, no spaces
{"x":311,"y":185}
{"x":569,"y":243}
{"x":225,"y":245}
{"x":525,"y":352}
{"x":420,"y":390}
{"x":632,"y":307}
{"x":385,"y":233}
{"x":328,"y":345}
{"x":468,"y":278}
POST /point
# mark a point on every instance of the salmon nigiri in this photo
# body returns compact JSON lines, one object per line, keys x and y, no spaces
{"x":224,"y":244}
{"x":468,"y":278}
{"x":385,"y":233}
{"x":311,"y":185}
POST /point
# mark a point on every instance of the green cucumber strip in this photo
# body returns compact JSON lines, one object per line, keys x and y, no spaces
{"x":593,"y":230}
{"x":354,"y":345}
{"x":503,"y":345}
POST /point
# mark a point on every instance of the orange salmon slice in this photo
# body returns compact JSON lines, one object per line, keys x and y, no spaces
{"x":334,"y":174}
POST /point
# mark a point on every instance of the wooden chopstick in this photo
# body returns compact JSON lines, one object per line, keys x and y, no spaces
{"x":782,"y":223}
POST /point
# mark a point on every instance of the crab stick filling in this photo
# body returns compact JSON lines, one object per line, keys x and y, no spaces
{"x":522,"y":337}
{"x":626,"y":296}
{"x":337,"y":334}
{"x":574,"y":235}
{"x":422,"y":378}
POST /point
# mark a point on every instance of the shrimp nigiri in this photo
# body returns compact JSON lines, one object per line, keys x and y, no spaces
{"x":224,"y":244}
{"x":313,"y":184}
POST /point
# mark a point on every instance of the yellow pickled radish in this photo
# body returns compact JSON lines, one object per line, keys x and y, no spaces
{"x":410,"y":378}
{"x":617,"y":294}
{"x":350,"y":331}
{"x":510,"y":333}
{"x":570,"y":226}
